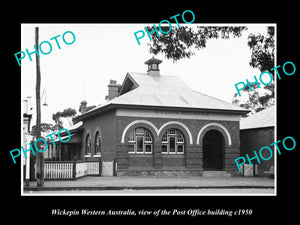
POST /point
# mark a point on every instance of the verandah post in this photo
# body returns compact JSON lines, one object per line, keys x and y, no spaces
{"x":74,"y":169}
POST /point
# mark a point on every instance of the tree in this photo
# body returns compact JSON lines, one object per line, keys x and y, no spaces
{"x":262,"y":57}
{"x":180,"y":42}
{"x":68,"y":113}
{"x":263,"y":48}
{"x":44,"y":128}
{"x":88,"y":108}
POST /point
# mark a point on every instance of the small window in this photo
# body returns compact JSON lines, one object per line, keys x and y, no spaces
{"x":172,"y":145}
{"x":131,"y":137}
{"x":131,"y":149}
{"x":172,"y":142}
{"x":97,"y":144}
{"x":172,"y":132}
{"x":148,"y":138}
{"x":179,"y":137}
{"x":88,"y":146}
{"x":165,"y":138}
{"x":180,"y":149}
{"x":140,"y":141}
{"x":164,"y":148}
{"x":139,"y":144}
{"x":148,"y":148}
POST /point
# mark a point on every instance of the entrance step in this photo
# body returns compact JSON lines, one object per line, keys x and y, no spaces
{"x":216,"y":173}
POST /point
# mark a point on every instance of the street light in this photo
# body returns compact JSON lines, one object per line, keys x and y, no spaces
{"x":44,"y":92}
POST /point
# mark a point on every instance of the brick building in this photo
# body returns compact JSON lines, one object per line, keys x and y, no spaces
{"x":257,"y":131}
{"x":155,"y":124}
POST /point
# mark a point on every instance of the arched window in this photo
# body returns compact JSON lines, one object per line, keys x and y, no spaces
{"x":97,"y":145}
{"x":172,"y":142}
{"x":88,"y":145}
{"x":140,"y":141}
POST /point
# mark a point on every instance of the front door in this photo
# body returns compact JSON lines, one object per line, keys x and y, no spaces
{"x":213,"y":150}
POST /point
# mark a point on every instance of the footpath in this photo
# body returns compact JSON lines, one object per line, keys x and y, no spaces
{"x":151,"y":183}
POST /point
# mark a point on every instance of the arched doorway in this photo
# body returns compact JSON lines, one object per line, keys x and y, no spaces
{"x":213,"y":150}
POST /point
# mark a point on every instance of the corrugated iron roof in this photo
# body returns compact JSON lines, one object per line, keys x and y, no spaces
{"x":169,"y":91}
{"x":264,"y":118}
{"x":166,"y":91}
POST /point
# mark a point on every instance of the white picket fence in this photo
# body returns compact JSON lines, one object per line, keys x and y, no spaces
{"x":87,"y":168}
{"x":57,"y":171}
{"x":70,"y":170}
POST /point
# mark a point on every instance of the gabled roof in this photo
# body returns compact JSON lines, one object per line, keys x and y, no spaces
{"x":264,"y":118}
{"x":128,"y":84}
{"x":168,"y":91}
{"x":142,"y":89}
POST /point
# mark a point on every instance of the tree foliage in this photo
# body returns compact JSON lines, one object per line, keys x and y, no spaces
{"x":69,"y":112}
{"x":181,"y":42}
{"x":262,"y":58}
{"x":44,"y":128}
{"x":263,"y":48}
{"x":88,"y":108}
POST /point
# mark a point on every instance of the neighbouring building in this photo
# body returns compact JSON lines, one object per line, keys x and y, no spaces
{"x":65,"y":151}
{"x":154,"y":124}
{"x":258,"y":131}
{"x":27,"y":137}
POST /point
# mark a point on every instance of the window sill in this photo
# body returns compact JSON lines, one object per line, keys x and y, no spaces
{"x":140,"y":155}
{"x":173,"y":155}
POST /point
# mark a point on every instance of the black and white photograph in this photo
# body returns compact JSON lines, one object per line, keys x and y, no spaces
{"x":176,"y":125}
{"x":159,"y":115}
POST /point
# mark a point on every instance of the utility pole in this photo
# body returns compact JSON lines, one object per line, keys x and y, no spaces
{"x":39,"y":155}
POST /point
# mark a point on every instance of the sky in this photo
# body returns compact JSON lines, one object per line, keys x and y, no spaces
{"x":82,"y":70}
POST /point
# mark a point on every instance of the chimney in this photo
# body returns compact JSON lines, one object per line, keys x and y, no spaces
{"x":82,"y":107}
{"x":153,"y":66}
{"x":113,"y":90}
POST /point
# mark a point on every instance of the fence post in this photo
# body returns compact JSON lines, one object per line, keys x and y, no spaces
{"x":100,"y":166}
{"x":74,"y":169}
{"x":243,"y":170}
{"x":115,"y":165}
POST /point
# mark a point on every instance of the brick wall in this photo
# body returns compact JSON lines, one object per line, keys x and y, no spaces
{"x":254,"y":139}
{"x":192,"y":159}
{"x":106,"y":125}
{"x":111,"y":128}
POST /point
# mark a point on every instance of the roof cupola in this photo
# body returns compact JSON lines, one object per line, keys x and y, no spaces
{"x":153,"y":66}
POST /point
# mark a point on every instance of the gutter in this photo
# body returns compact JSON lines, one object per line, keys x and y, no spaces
{"x":113,"y":106}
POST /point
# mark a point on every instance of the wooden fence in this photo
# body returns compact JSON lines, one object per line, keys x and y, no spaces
{"x":70,"y":170}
